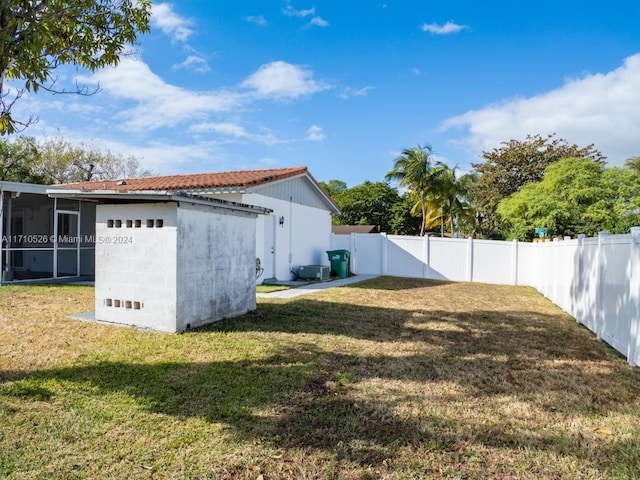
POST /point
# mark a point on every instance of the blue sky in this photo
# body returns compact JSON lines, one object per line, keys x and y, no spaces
{"x":343,"y":87}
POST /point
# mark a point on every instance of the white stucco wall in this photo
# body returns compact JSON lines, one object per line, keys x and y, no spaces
{"x":303,"y":239}
{"x":216,"y":265}
{"x":136,"y":266}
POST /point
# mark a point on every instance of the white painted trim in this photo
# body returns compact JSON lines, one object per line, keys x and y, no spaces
{"x":157,"y":196}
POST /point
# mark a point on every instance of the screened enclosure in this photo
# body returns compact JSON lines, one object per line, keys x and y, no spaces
{"x":43,"y":237}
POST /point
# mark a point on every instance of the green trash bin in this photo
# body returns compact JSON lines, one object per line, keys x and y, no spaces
{"x":339,"y":262}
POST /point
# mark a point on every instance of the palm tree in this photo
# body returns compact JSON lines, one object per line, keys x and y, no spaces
{"x":448,"y":201}
{"x":633,"y":163}
{"x":414,"y":170}
{"x":454,"y":193}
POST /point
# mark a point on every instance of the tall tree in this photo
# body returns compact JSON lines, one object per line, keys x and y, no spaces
{"x":415,"y":170}
{"x":576,"y":195}
{"x":19,"y":161}
{"x":515,"y":163}
{"x":457,"y":207}
{"x":633,"y":163}
{"x":64,"y":162}
{"x":403,"y":222}
{"x":37,"y":36}
{"x":334,"y":187}
{"x":367,"y":204}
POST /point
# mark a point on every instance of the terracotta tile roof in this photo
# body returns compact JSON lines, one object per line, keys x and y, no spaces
{"x":196,"y":181}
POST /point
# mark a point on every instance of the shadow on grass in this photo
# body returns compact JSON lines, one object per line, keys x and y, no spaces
{"x":314,"y":411}
{"x":397,"y":283}
{"x":304,"y":395}
{"x":511,"y":333}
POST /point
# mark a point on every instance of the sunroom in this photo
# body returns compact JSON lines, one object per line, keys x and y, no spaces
{"x":42,"y":237}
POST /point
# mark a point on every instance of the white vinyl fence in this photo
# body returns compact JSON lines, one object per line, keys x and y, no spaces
{"x":595,"y":280}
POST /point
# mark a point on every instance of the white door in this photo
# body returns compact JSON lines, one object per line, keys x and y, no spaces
{"x":268,"y":258}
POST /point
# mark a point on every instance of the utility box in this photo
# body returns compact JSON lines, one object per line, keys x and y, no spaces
{"x":314,"y":272}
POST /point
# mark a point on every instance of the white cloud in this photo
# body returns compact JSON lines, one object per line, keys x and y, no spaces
{"x":289,"y":11}
{"x":170,"y":23}
{"x":597,"y":108}
{"x":446,"y":29}
{"x":349,"y":92}
{"x":156,"y":103}
{"x":318,"y":22}
{"x":224,"y":128}
{"x":194,"y":63}
{"x":257,"y":20}
{"x":233,"y":133}
{"x":166,"y":157}
{"x":315,"y":134}
{"x":141,"y":100}
{"x":162,"y":157}
{"x":134,"y":102}
{"x":281,"y":80}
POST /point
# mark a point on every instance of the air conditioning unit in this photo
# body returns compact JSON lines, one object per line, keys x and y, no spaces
{"x":314,"y":272}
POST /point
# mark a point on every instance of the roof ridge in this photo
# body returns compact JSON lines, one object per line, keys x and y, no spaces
{"x":266,"y":172}
{"x":227,"y":172}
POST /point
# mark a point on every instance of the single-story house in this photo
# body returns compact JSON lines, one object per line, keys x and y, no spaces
{"x":297,"y":232}
{"x":44,"y":237}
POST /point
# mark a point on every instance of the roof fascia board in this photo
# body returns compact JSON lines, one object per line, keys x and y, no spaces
{"x":157,"y":196}
{"x":20,"y":187}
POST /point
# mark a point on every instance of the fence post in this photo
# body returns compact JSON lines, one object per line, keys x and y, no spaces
{"x":385,"y":242}
{"x":579,"y":290}
{"x":427,"y":256}
{"x":470,"y":259}
{"x":600,"y":315}
{"x":514,"y":263}
{"x":553,"y":295}
{"x":353,"y":253}
{"x":633,"y":348}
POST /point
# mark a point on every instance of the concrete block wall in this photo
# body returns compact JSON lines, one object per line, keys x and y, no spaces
{"x":171,"y":267}
{"x":136,"y":254}
{"x":216,"y":265}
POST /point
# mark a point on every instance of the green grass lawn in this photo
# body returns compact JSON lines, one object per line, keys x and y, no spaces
{"x":390,"y":378}
{"x":270,"y":288}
